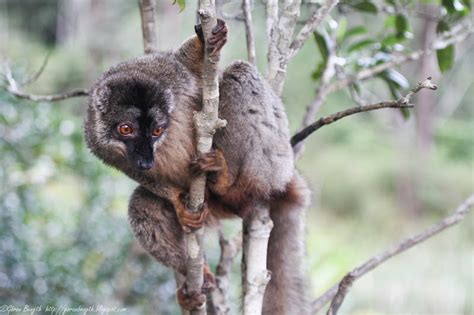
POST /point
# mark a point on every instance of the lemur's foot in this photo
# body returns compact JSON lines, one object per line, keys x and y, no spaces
{"x":212,"y":161}
{"x":190,"y":220}
{"x":196,"y":300}
{"x":209,"y":281}
{"x":217,"y":39}
{"x":190,"y":301}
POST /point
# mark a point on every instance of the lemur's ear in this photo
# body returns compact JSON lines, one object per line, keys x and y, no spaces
{"x":169,"y":100}
{"x":100,"y":96}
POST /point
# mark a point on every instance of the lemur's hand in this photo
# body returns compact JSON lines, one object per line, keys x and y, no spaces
{"x":218,"y":37}
{"x":191,"y":301}
{"x":190,"y":220}
{"x":212,"y":161}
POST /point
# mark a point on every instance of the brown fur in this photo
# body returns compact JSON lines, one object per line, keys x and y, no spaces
{"x":252,"y":161}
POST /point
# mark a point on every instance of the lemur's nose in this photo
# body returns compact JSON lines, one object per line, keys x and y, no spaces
{"x":144,"y":165}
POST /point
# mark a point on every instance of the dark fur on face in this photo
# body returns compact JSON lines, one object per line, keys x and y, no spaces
{"x":143,"y":106}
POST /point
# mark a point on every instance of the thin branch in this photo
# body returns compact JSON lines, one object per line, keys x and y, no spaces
{"x":327,"y":75}
{"x":314,"y":21}
{"x":206,"y":122}
{"x":403,"y":102}
{"x":229,"y":249}
{"x":249,"y":32}
{"x":47,"y":98}
{"x":281,"y":34}
{"x":455,"y":36}
{"x":147,"y":14}
{"x":338,"y":291}
{"x":13,"y":87}
{"x":38,"y":73}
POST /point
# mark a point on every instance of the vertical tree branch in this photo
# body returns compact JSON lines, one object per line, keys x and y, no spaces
{"x":229,"y":249}
{"x":147,"y":14}
{"x":206,"y":122}
{"x":255,"y":276}
{"x":249,"y":32}
{"x":280,"y":39}
{"x":314,"y":21}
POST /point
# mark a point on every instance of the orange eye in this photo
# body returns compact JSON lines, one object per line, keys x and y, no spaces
{"x":125,"y":130}
{"x":158,"y":131}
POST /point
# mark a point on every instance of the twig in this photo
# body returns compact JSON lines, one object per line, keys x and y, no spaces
{"x":47,"y":98}
{"x":37,"y":74}
{"x":206,"y":122}
{"x":321,"y":91}
{"x":255,"y":276}
{"x":271,"y":11}
{"x":249,"y":32}
{"x":13,"y":87}
{"x":229,"y":250}
{"x":310,"y":26}
{"x":446,"y":39}
{"x":147,"y":14}
{"x":338,"y":291}
{"x":280,"y":40}
{"x":403,"y":102}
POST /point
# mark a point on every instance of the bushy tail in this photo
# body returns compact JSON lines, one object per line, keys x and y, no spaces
{"x":286,"y":291}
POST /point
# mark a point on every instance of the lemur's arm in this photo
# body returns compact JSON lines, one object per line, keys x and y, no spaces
{"x":191,"y":52}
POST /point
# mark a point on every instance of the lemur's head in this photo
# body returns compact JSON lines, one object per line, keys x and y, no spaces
{"x":132,"y":116}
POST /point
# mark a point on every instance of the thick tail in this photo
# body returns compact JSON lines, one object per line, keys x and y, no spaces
{"x":286,"y":292}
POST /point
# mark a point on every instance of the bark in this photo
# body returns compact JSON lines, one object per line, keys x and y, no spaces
{"x":255,"y":276}
{"x":147,"y":14}
{"x":206,"y":122}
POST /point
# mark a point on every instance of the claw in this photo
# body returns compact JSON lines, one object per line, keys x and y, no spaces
{"x":191,"y":220}
{"x":190,"y":301}
{"x":208,"y":162}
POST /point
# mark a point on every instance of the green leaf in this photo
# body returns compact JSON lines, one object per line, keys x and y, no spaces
{"x":405,"y":113}
{"x":401,"y":25}
{"x":391,"y":40}
{"x":341,"y":30}
{"x":396,"y":78}
{"x":361,"y":44}
{"x":445,"y":58}
{"x":442,"y":26}
{"x":467,"y":4}
{"x":365,"y":6}
{"x":181,"y":4}
{"x":316,"y":75}
{"x":454,"y":6}
{"x":322,"y":45}
{"x":354,"y":31}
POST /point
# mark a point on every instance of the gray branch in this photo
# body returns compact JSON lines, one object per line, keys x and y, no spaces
{"x":247,"y":10}
{"x":206,"y":122}
{"x":147,"y":15}
{"x":310,"y":26}
{"x":229,"y":249}
{"x":403,"y":102}
{"x":337,"y":293}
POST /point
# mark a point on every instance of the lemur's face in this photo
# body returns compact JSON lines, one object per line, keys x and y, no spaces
{"x":137,"y":113}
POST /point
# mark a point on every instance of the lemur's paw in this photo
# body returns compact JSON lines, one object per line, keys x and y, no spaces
{"x":191,"y":220}
{"x":218,"y":37}
{"x":209,"y":281}
{"x":190,"y":301}
{"x":211,"y":161}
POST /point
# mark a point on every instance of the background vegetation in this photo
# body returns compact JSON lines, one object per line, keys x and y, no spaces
{"x":64,"y":236}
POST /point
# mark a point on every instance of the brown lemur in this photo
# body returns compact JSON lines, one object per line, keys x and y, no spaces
{"x":139,"y":120}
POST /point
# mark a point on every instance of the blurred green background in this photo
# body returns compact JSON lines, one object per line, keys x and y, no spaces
{"x":64,"y":235}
